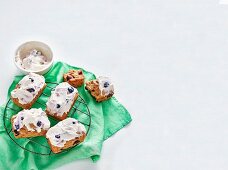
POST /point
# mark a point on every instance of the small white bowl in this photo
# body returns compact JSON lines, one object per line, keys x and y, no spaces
{"x":25,"y":48}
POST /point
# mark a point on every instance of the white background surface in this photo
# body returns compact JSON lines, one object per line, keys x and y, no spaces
{"x":169,"y":62}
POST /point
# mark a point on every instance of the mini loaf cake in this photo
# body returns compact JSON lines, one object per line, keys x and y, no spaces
{"x":74,"y":78}
{"x":61,"y":101}
{"x":65,"y":134}
{"x":28,"y":90}
{"x":30,"y":123}
{"x":101,"y":88}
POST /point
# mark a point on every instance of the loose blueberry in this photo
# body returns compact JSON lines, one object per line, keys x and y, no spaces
{"x":39,"y":123}
{"x":58,"y":106}
{"x":17,"y":127}
{"x":32,"y":80}
{"x":57,"y":136}
{"x":31,"y":90}
{"x":106,"y":84}
{"x":22,"y":118}
{"x":70,"y":89}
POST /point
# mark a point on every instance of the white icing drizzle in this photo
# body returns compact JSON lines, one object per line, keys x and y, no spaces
{"x":105,"y":85}
{"x":61,"y":99}
{"x":29,"y":87}
{"x":34,"y":61}
{"x":64,"y":131}
{"x":37,"y":117}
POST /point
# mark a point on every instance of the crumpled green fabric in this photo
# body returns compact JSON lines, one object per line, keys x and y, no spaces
{"x":107,"y":118}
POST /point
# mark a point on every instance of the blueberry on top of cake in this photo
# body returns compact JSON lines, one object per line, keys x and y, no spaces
{"x":28,"y":88}
{"x":64,"y":131}
{"x":33,"y":120}
{"x":61,"y":99}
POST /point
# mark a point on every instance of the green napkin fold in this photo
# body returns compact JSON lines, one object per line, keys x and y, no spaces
{"x":106,"y":119}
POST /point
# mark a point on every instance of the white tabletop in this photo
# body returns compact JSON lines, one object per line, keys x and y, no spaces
{"x":169,"y":62}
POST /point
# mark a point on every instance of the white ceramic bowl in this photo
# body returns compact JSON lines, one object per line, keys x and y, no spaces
{"x":25,"y":48}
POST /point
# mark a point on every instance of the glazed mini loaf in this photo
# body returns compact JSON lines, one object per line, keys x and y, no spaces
{"x":65,"y":134}
{"x":28,"y":90}
{"x":61,"y":101}
{"x":30,"y":123}
{"x":101,"y":88}
{"x":74,"y":78}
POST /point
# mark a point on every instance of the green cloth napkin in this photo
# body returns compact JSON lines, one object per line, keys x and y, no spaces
{"x":106,"y":119}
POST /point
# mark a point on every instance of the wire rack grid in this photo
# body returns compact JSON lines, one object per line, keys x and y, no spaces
{"x":39,"y":145}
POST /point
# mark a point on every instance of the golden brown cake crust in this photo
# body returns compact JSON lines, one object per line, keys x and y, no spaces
{"x":93,"y":87}
{"x":28,"y":105}
{"x":67,"y":145}
{"x":64,"y":116}
{"x":24,"y":133}
{"x":74,"y":77}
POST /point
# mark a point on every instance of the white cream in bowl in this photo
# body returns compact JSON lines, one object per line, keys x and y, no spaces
{"x":34,"y":57}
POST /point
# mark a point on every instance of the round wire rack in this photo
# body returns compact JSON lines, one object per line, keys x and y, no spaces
{"x":39,"y":145}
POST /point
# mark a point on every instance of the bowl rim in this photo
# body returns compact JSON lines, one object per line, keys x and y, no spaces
{"x":31,"y":71}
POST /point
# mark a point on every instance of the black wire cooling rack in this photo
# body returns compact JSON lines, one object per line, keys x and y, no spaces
{"x":39,"y":145}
